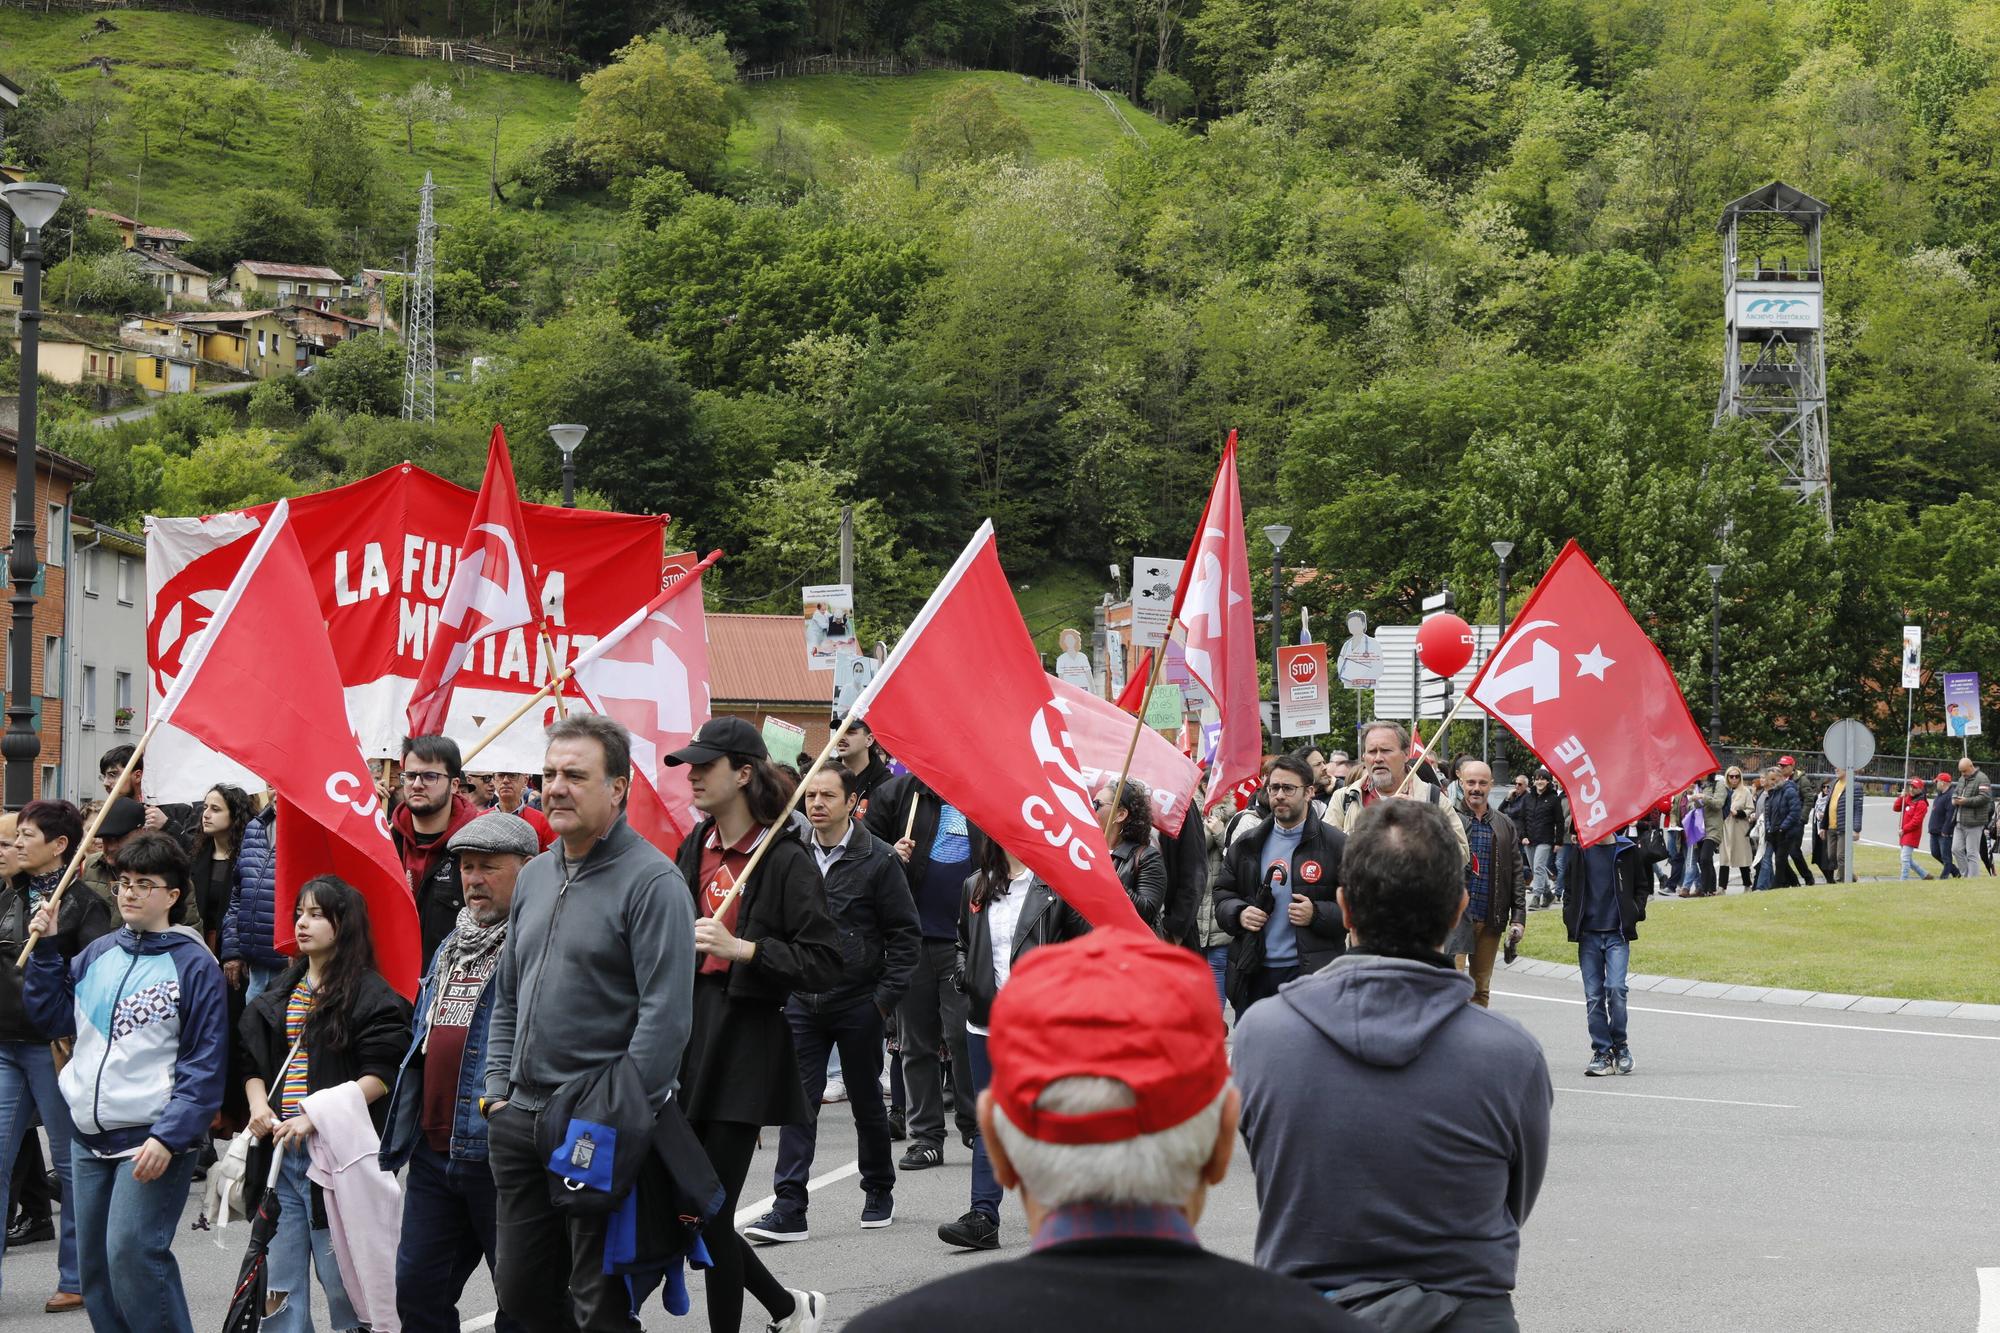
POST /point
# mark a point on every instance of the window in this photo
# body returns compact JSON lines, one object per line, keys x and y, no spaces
{"x":121,"y":699}
{"x":51,"y":781}
{"x":87,"y":687}
{"x":284,"y":289}
{"x":260,"y":342}
{"x":87,"y":560}
{"x":58,"y":535}
{"x":125,"y":568}
{"x":17,"y":286}
{"x":159,"y":367}
{"x":52,"y":666}
{"x":93,"y":363}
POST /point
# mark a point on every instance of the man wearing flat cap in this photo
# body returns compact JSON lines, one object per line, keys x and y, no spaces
{"x":1110,"y":1112}
{"x":100,"y":869}
{"x":434,"y":1125}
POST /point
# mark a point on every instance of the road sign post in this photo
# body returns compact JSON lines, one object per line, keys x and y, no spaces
{"x":1849,"y":747}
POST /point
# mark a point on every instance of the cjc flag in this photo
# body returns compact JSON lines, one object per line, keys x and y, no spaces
{"x":963,"y":701}
{"x":1213,"y":607}
{"x":492,"y":590}
{"x":650,"y":675}
{"x":260,"y":685}
{"x":1584,"y":688}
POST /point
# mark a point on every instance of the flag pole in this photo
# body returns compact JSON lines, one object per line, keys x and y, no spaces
{"x":549,"y":650}
{"x":555,"y":683}
{"x":82,"y":849}
{"x":777,"y":827}
{"x":1139,"y":726}
{"x":910,"y":824}
{"x":1423,"y":749}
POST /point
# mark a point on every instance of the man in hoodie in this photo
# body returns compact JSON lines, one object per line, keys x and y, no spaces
{"x":432,"y":810}
{"x":1943,"y":821}
{"x":1602,"y":914}
{"x":598,"y":966}
{"x":1416,"y":1215}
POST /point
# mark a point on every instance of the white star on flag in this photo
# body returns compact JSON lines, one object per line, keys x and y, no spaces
{"x":1593,"y":662}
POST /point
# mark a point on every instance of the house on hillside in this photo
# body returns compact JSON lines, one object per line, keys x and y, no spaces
{"x":263,"y":343}
{"x":256,"y":283}
{"x":374,"y":289}
{"x":173,"y":275}
{"x":164,"y":240}
{"x":128,"y":228}
{"x":757,"y":669}
{"x":72,"y":356}
{"x":56,"y":478}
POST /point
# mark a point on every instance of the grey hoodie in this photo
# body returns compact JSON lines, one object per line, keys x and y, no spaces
{"x":1397,"y":1131}
{"x":593,"y":970}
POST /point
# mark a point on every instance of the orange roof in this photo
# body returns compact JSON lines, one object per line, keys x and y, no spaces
{"x":762,"y":659}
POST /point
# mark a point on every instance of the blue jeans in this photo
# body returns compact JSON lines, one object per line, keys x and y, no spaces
{"x":295,"y":1250}
{"x":986,"y":1191}
{"x":1910,"y":865}
{"x":1603,"y":955}
{"x":125,"y":1230}
{"x":27,"y":1085}
{"x":448,"y":1210}
{"x":1218,"y":963}
{"x":816,"y":1034}
{"x":256,"y":978}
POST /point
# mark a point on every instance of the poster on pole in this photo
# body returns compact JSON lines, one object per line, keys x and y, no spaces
{"x":1360,"y":659}
{"x":1303,"y":706}
{"x":785,"y":740}
{"x":1961,"y":704}
{"x":829,"y":616}
{"x":1154,"y":580}
{"x":1913,"y":655}
{"x":1073,"y":664}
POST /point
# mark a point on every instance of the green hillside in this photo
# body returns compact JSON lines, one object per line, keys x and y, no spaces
{"x":190,"y":184}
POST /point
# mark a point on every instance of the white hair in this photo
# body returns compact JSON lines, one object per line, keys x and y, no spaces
{"x":1162,"y":1168}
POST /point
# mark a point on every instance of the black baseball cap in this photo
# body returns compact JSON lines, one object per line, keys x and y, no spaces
{"x":720,"y":736}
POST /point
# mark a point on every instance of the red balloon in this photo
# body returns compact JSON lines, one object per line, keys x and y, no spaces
{"x":1444,"y":643}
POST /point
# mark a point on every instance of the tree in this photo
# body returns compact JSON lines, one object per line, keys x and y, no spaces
{"x":108,"y":284}
{"x":69,"y":135}
{"x":363,"y":375}
{"x":965,"y":124}
{"x":259,"y":59}
{"x":422,"y":103}
{"x":269,"y":225}
{"x":650,"y":108}
{"x":336,"y":157}
{"x":1072,"y":19}
{"x":227,"y":471}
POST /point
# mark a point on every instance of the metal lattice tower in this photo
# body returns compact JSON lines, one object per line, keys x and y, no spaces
{"x":420,"y":363}
{"x":1774,"y":357}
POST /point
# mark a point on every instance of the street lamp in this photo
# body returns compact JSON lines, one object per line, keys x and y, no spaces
{"x":1715,"y":655}
{"x":1277,"y":534}
{"x":567,"y":438}
{"x":1501,"y":550}
{"x":35,"y":203}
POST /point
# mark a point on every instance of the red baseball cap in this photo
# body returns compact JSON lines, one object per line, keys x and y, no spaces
{"x":1788,"y":762}
{"x":1944,"y":777}
{"x":1115,"y":1004}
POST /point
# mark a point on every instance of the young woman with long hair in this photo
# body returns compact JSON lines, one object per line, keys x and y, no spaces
{"x":329,"y":1020}
{"x":740,"y":1072}
{"x":225,"y":810}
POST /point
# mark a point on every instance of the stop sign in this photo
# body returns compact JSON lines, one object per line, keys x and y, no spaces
{"x":1304,"y":670}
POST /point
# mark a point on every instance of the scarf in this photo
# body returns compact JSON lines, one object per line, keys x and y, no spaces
{"x":40,"y":887}
{"x":470,"y":949}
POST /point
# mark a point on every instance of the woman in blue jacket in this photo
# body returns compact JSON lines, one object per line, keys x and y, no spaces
{"x":151,"y":1021}
{"x":250,"y":957}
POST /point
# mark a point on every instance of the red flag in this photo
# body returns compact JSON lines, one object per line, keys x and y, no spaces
{"x":964,"y":704}
{"x":1584,"y":688}
{"x":492,"y":590}
{"x":1102,"y":735}
{"x":1133,"y":697}
{"x":262,"y":687}
{"x":1213,"y":606}
{"x":650,"y":675}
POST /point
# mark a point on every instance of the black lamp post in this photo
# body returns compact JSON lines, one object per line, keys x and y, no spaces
{"x":567,"y":438}
{"x":1715,"y":655}
{"x":35,"y":204}
{"x":1502,"y":550}
{"x":1277,"y":534}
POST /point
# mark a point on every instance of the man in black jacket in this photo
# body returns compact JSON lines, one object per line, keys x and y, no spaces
{"x":938,"y":847}
{"x":1111,"y":1113}
{"x":1602,"y":911}
{"x":1539,"y":821}
{"x":856,"y":753}
{"x":879,"y":943}
{"x":1276,"y":892}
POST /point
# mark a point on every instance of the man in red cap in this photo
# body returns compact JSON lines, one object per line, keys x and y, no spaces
{"x":1110,"y":1112}
{"x":1943,"y":821}
{"x":1785,"y":826}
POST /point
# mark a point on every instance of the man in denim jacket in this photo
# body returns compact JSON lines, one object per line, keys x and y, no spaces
{"x":434,"y":1123}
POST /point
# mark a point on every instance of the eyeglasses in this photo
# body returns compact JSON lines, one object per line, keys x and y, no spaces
{"x":423,"y":777}
{"x":139,"y":888}
{"x":1277,"y":790}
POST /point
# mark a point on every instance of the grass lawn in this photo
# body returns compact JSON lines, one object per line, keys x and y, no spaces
{"x":1915,"y":940}
{"x":1057,"y":598}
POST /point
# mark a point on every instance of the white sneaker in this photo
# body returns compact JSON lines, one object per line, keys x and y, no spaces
{"x":836,"y":1091}
{"x":808,"y":1308}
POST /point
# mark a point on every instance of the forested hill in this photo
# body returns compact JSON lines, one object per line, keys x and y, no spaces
{"x":1451,"y":269}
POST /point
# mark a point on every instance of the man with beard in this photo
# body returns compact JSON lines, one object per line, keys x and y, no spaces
{"x":1385,"y":761}
{"x":432,"y":810}
{"x":1275,"y":893}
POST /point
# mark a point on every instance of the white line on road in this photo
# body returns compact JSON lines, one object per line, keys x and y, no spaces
{"x":744,"y":1215}
{"x":1989,"y":1300}
{"x":1781,"y":1022}
{"x":1662,"y":1097}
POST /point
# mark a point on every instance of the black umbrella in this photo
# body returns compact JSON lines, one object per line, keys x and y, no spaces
{"x":246,"y":1307}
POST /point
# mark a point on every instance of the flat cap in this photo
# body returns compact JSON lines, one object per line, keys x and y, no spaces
{"x":497,"y":831}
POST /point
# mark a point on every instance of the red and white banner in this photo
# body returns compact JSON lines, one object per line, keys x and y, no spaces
{"x":1213,"y":606}
{"x":1584,"y":688}
{"x":1101,"y":733}
{"x":493,"y":590}
{"x":381,"y":552}
{"x":283,"y":722}
{"x":651,"y":675}
{"x":964,"y":704}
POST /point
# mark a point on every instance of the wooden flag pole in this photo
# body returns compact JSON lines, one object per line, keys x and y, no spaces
{"x":549,"y":650}
{"x":1132,"y":748}
{"x":555,"y":683}
{"x":910,"y":824}
{"x":777,"y":828}
{"x":82,"y":849}
{"x":1423,"y":749}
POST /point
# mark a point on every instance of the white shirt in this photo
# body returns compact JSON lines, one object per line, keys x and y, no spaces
{"x":1003,"y":914}
{"x":825,"y":855}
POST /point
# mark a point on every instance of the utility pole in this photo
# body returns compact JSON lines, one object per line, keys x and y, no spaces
{"x":847,"y":546}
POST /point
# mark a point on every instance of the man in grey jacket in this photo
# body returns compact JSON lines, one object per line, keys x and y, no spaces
{"x":1416,"y":1219}
{"x":598,"y":966}
{"x":1972,"y":803}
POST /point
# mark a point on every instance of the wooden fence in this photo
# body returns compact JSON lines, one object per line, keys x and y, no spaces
{"x":870,"y":65}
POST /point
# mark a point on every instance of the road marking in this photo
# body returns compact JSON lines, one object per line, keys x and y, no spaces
{"x":1781,"y":1022}
{"x":1663,"y":1097}
{"x":1989,"y":1300}
{"x":744,"y":1216}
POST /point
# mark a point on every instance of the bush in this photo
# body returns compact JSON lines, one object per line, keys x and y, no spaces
{"x":279,"y":402}
{"x":361,"y":375}
{"x":1170,"y":95}
{"x":553,"y":167}
{"x":109,"y":284}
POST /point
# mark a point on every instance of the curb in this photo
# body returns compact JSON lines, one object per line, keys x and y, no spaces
{"x":1790,"y":999}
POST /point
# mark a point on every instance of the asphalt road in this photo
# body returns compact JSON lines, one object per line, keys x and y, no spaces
{"x":1758,"y":1173}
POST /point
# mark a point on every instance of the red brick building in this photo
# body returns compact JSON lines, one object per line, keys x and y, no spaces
{"x":56,"y":477}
